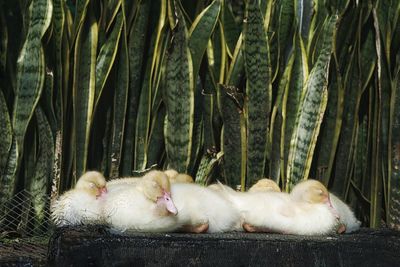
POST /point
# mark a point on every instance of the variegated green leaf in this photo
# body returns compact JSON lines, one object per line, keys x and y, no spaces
{"x":106,"y":58}
{"x":394,"y":157}
{"x":31,"y":69}
{"x":84,"y":90}
{"x":5,"y":133}
{"x":120,"y":105}
{"x":179,"y":99}
{"x":232,"y":143}
{"x":311,"y":111}
{"x":258,"y":91}
{"x":39,"y":183}
{"x":200,"y":33}
{"x":136,"y":48}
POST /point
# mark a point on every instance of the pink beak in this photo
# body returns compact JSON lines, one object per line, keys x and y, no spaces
{"x":335,"y":212}
{"x":166,"y":200}
{"x":102,"y":191}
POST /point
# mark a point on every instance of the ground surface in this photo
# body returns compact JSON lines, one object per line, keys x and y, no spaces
{"x":96,"y":246}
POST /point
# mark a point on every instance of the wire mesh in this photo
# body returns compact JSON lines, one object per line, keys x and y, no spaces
{"x":25,"y":227}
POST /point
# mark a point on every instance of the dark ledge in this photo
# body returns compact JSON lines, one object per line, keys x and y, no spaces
{"x":96,"y":246}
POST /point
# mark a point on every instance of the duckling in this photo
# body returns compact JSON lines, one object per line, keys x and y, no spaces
{"x":175,"y":177}
{"x":83,"y":204}
{"x":201,"y":209}
{"x":265,"y":185}
{"x":348,"y":220}
{"x":278,"y":212}
{"x":142,"y":206}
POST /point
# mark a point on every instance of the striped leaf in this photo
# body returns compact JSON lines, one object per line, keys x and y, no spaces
{"x":5,"y":133}
{"x":31,"y":69}
{"x":258,"y":91}
{"x":136,"y":48}
{"x":394,"y":157}
{"x":106,"y":58}
{"x":232,"y":143}
{"x":311,"y":111}
{"x":39,"y":184}
{"x":179,"y":99}
{"x":120,"y":105}
{"x":200,"y":33}
{"x":84,"y":90}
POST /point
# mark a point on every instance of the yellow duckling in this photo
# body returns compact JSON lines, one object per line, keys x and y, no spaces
{"x":145,"y":205}
{"x":348,"y":221}
{"x":201,"y":209}
{"x":265,"y":185}
{"x":279,"y":212}
{"x":175,"y":177}
{"x":83,"y":204}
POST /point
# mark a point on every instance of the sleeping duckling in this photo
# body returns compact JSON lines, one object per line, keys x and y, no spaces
{"x":265,"y":185}
{"x":142,"y":206}
{"x":175,"y":177}
{"x":83,"y":204}
{"x":347,"y":218}
{"x":278,"y":212}
{"x":203,"y":210}
{"x":349,"y":222}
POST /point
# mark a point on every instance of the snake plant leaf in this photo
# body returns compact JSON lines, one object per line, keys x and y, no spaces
{"x":200,"y":32}
{"x":232,"y":143}
{"x":80,"y":14}
{"x":136,"y":48}
{"x":231,"y":29}
{"x":5,"y":133}
{"x":330,"y":130}
{"x":344,"y":150}
{"x":208,"y":112}
{"x":258,"y":91}
{"x":84,"y":90}
{"x":367,"y":59}
{"x":59,"y":69}
{"x":311,"y":111}
{"x":39,"y":185}
{"x":106,"y":58}
{"x":304,"y":13}
{"x":144,"y":112}
{"x":236,"y":69}
{"x":120,"y":105}
{"x":394,"y":157}
{"x":7,"y":179}
{"x":3,"y":40}
{"x":286,"y":20}
{"x":278,"y":117}
{"x":197,"y":134}
{"x":31,"y":69}
{"x":387,"y":14}
{"x":292,"y":100}
{"x":208,"y":167}
{"x":156,"y":145}
{"x":179,"y":99}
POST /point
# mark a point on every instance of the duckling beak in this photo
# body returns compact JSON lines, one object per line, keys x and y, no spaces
{"x":101,"y":192}
{"x":166,"y":200}
{"x":329,"y":203}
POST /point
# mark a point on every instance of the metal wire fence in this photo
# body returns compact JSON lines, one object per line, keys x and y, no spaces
{"x":25,"y":229}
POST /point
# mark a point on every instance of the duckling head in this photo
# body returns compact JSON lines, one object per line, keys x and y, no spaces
{"x":175,"y":177}
{"x":182,"y":178}
{"x":314,"y":192}
{"x":311,"y":191}
{"x":92,"y":182}
{"x":156,"y":187}
{"x":265,"y":185}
